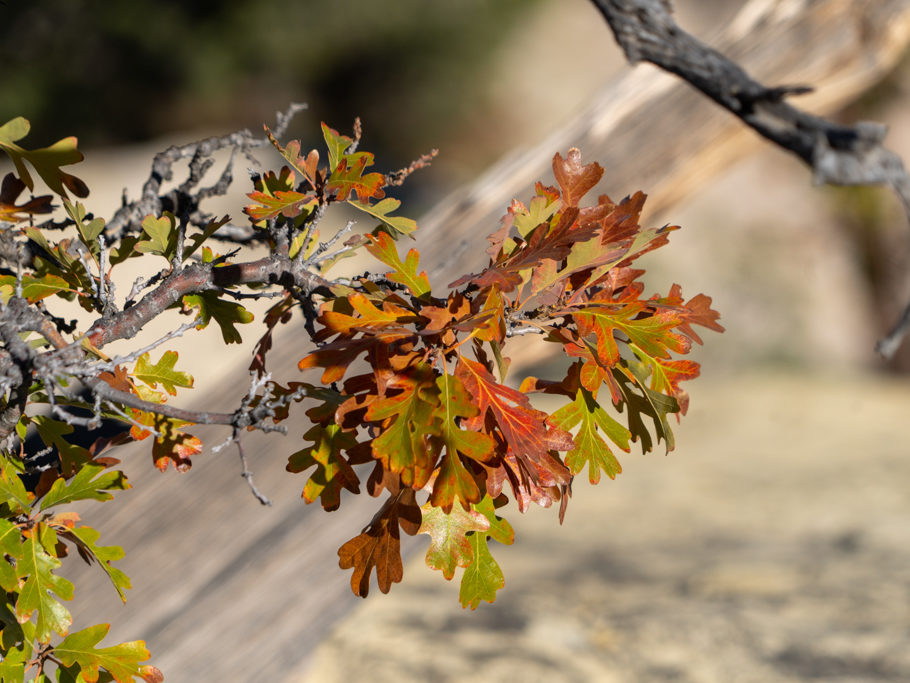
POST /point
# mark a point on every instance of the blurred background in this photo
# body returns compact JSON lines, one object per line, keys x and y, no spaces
{"x":771,"y":545}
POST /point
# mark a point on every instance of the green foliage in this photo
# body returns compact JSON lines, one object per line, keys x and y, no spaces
{"x":414,"y":407}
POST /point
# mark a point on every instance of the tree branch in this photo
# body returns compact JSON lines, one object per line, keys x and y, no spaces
{"x":838,"y":155}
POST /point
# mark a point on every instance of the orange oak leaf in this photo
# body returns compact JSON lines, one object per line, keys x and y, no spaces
{"x":348,"y":178}
{"x":653,"y":333}
{"x":379,"y":545}
{"x":11,"y":212}
{"x":574,"y":178}
{"x":369,"y":319}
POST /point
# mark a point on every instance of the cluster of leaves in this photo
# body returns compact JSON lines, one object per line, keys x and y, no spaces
{"x":429,"y":410}
{"x":413,"y":406}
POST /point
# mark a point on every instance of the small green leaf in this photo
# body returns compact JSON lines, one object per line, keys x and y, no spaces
{"x":483,"y":577}
{"x":87,"y":231}
{"x":642,"y":400}
{"x":225,"y":313}
{"x":196,"y":240}
{"x":85,"y":486}
{"x":162,"y":235}
{"x":382,"y":209}
{"x":590,"y":448}
{"x":337,"y":145}
{"x":541,"y":210}
{"x":11,"y":547}
{"x":14,"y":664}
{"x":382,"y":246}
{"x":54,"y":433}
{"x":162,"y":372}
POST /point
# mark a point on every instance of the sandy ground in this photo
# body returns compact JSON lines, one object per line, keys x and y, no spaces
{"x":772,"y":545}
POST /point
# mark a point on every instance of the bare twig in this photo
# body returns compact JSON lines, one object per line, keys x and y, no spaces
{"x":246,"y":474}
{"x":398,"y":177}
{"x":181,"y":200}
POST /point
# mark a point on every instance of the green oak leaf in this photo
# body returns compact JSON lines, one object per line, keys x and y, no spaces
{"x":381,"y":210}
{"x":46,"y":161}
{"x":194,"y":242}
{"x":121,"y":661}
{"x":642,"y":400}
{"x":36,"y":568}
{"x":162,"y":235}
{"x":540,"y":210}
{"x":483,"y":577}
{"x":88,"y":484}
{"x":88,"y":232}
{"x":337,"y":146}
{"x":332,"y":469}
{"x":33,"y":288}
{"x":11,"y":547}
{"x":15,"y":662}
{"x":54,"y":433}
{"x":590,"y":448}
{"x":225,"y":313}
{"x":454,"y":481}
{"x":162,"y":372}
{"x":382,"y":246}
{"x":12,"y":490}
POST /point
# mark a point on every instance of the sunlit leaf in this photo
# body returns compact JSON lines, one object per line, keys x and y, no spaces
{"x":121,"y":661}
{"x":162,"y":372}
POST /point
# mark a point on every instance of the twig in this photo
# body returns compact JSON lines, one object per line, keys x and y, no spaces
{"x":398,"y":177}
{"x":246,"y":474}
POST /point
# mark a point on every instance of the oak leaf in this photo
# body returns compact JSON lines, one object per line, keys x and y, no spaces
{"x":450,"y":546}
{"x":483,"y":577}
{"x":35,"y":568}
{"x":162,"y":372}
{"x":121,"y":661}
{"x":590,"y":447}
{"x":574,"y":178}
{"x":382,"y":246}
{"x":379,"y":545}
{"x":332,"y":469}
{"x":11,"y":212}
{"x":47,"y":161}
